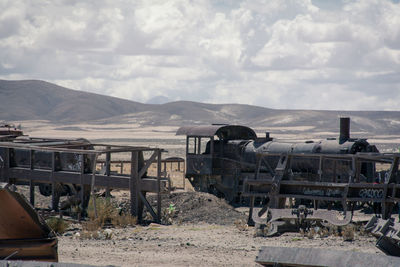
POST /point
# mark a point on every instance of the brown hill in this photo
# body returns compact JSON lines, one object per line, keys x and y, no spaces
{"x":32,"y":100}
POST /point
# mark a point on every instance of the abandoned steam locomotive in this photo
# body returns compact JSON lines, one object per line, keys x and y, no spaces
{"x":220,"y":157}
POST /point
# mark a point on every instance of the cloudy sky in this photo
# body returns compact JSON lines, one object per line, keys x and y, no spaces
{"x":296,"y":54}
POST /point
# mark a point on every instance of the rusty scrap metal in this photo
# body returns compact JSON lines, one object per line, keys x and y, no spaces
{"x":306,"y":257}
{"x":388,"y":234}
{"x":24,"y":235}
{"x":292,"y":220}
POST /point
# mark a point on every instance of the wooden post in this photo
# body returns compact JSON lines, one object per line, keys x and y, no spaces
{"x":81,"y":195}
{"x":108,"y":168}
{"x":158,"y":185}
{"x":134,"y":186}
{"x":54,"y":198}
{"x":250,"y":218}
{"x":93,"y":182}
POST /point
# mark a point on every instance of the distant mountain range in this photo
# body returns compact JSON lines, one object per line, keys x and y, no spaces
{"x":40,"y":100}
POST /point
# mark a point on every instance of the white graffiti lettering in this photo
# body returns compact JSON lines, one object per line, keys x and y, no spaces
{"x":371,"y":193}
{"x":327,"y":192}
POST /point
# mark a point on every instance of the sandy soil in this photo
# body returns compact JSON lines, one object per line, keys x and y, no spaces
{"x":204,"y":231}
{"x":190,"y":245}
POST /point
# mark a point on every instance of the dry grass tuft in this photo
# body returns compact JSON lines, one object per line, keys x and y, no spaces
{"x":348,"y":233}
{"x":108,"y":213}
{"x":58,"y":225}
{"x":241,"y":225}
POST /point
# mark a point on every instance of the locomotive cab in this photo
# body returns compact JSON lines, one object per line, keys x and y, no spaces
{"x":204,"y":144}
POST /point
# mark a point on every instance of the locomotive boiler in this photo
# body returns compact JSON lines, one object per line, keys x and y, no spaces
{"x":220,"y":157}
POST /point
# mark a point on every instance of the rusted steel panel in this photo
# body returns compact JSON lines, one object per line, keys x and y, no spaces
{"x":285,"y":256}
{"x":23,"y":233}
{"x":388,"y":234}
{"x":43,"y":249}
{"x":18,"y":219}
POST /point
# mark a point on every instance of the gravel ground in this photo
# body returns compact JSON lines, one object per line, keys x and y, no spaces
{"x":205,"y":231}
{"x":199,"y":244}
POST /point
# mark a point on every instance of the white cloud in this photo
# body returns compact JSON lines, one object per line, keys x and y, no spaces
{"x":275,"y":53}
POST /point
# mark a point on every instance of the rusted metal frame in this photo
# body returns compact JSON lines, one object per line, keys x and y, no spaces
{"x":393,"y":169}
{"x":326,"y":185}
{"x":280,"y":171}
{"x":258,"y":166}
{"x":271,"y":171}
{"x":31,"y":181}
{"x":387,"y":206}
{"x":352,"y":178}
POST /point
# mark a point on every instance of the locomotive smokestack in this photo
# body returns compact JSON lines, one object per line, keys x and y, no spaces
{"x":267,"y":137}
{"x":344,"y":129}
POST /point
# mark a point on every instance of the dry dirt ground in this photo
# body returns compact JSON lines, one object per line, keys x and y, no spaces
{"x":205,"y":231}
